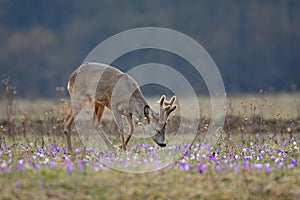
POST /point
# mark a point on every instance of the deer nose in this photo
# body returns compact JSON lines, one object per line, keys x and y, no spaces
{"x":162,"y":145}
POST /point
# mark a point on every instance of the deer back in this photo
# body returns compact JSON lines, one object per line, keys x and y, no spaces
{"x":103,"y":83}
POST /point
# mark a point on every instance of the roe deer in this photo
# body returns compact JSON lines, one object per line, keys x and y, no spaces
{"x":129,"y":102}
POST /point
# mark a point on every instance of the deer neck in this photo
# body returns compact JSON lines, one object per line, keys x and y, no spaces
{"x":137,"y":105}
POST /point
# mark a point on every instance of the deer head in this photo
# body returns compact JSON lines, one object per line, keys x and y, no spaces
{"x":157,"y":122}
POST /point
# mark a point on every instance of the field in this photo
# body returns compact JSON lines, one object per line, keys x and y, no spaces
{"x":256,"y":157}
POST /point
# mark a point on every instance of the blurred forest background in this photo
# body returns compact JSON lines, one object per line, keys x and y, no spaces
{"x":255,"y":43}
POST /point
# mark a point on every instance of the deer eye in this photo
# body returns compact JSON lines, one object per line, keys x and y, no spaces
{"x":147,"y":113}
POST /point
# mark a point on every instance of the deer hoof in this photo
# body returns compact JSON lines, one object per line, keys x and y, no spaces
{"x":122,"y":147}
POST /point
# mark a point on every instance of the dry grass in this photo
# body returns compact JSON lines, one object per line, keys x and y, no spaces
{"x":165,"y":184}
{"x":40,"y":122}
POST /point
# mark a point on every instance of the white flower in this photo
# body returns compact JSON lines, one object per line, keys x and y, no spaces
{"x":4,"y":164}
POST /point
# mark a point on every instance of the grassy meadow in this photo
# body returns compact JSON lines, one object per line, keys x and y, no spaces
{"x":256,"y":157}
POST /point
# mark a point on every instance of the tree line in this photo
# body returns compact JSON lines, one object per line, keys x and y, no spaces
{"x":255,"y":44}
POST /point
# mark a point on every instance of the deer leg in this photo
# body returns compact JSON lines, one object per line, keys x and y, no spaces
{"x":68,"y":125}
{"x":131,"y":128}
{"x":121,"y":133}
{"x":99,"y":109}
{"x":123,"y":140}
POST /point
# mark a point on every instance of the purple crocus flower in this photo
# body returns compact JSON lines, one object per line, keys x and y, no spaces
{"x":248,"y":158}
{"x":42,"y":184}
{"x":20,"y":164}
{"x":9,"y":154}
{"x":257,"y":165}
{"x":279,"y":166}
{"x":279,"y":150}
{"x":64,"y":158}
{"x":3,"y":166}
{"x":51,"y":164}
{"x":236,"y":167}
{"x":267,"y":167}
{"x":18,"y":185}
{"x":186,"y":152}
{"x":284,"y":143}
{"x":69,"y":167}
{"x":219,"y":168}
{"x":77,"y":151}
{"x":200,"y":169}
{"x":184,"y":165}
{"x":36,"y":166}
{"x":236,"y":157}
{"x":29,"y":160}
{"x":273,"y":157}
{"x":96,"y":166}
{"x":80,"y":164}
{"x":268,"y":151}
{"x":294,"y":162}
{"x":246,"y":165}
